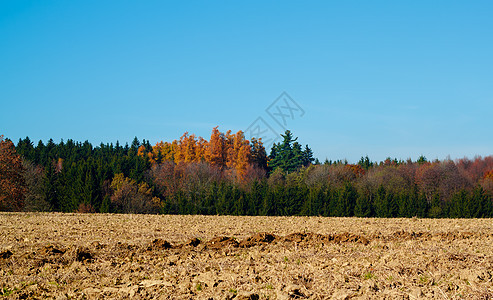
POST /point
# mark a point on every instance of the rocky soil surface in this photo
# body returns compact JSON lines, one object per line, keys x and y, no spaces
{"x":105,"y":256}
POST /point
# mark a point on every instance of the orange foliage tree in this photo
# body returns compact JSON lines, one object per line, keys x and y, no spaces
{"x":216,"y":149}
{"x":12,"y":184}
{"x":163,"y":151}
{"x":239,"y":155}
{"x":226,"y":151}
{"x":487,"y":182}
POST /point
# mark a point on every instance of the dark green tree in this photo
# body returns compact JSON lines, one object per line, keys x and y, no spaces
{"x":347,"y":200}
{"x":365,"y":163}
{"x":381,"y":203}
{"x":307,"y":156}
{"x":363,"y":206}
{"x":288,"y":154}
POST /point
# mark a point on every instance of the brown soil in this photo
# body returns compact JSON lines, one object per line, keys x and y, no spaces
{"x":96,"y":256}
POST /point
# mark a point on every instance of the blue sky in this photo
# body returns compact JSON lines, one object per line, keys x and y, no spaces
{"x":379,"y":78}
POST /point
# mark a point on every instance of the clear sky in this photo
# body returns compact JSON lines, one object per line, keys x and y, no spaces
{"x":376,"y":78}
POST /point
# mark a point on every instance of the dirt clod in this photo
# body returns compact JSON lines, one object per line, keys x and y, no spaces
{"x":5,"y":254}
{"x":257,"y":239}
{"x":159,"y":244}
{"x":221,"y":242}
{"x":51,"y":250}
{"x":193,"y":242}
{"x":83,"y":254}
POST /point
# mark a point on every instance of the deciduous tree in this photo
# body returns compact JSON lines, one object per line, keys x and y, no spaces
{"x":12,"y":182}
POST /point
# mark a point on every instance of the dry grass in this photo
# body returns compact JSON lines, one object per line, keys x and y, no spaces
{"x":53,"y":255}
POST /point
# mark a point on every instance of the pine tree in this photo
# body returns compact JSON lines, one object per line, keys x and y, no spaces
{"x":365,"y":163}
{"x":363,"y":206}
{"x":381,"y":205}
{"x":479,"y":204}
{"x":52,"y":188}
{"x":288,"y":155}
{"x":259,"y":156}
{"x":307,"y":156}
{"x":347,"y":201}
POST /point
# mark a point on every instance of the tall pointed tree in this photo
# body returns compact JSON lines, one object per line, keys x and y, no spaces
{"x":215,"y":152}
{"x":307,"y":156}
{"x":288,"y":154}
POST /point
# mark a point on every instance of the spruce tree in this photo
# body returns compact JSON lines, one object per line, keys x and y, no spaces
{"x":363,"y":206}
{"x":288,"y":154}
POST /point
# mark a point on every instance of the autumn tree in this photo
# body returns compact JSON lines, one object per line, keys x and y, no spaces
{"x":487,"y":182}
{"x":452,"y":180}
{"x":190,"y":149}
{"x":215,"y":152}
{"x":12,"y":182}
{"x":132,"y":197}
{"x":428,"y":177}
{"x":317,"y":175}
{"x":340,"y":174}
{"x":476,"y":168}
{"x":229,"y":152}
{"x":239,"y":154}
{"x":163,"y":151}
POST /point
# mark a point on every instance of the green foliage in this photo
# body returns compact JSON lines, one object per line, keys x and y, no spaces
{"x":72,"y":176}
{"x":105,"y":205}
{"x":76,"y":173}
{"x":288,"y":155}
{"x":363,"y":206}
{"x":421,"y":160}
{"x":347,"y":201}
{"x":365,"y":163}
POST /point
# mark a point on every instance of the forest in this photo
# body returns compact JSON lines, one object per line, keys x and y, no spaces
{"x":230,"y":175}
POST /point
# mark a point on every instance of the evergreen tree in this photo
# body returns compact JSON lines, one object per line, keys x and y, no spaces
{"x":422,"y":205}
{"x":421,"y":160}
{"x":392,"y":200}
{"x":381,"y":204}
{"x":363,"y":206}
{"x":365,"y":163}
{"x":479,"y":205}
{"x":288,"y":155}
{"x":458,"y":204}
{"x":105,"y":205}
{"x":347,"y":201}
{"x":255,"y":198}
{"x":52,"y":188}
{"x":404,"y":209}
{"x":436,"y":207}
{"x":307,"y":156}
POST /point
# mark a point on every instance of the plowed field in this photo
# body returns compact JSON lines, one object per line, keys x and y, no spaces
{"x":96,"y":256}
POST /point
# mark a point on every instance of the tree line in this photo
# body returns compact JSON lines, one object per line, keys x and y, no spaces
{"x":228,"y":174}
